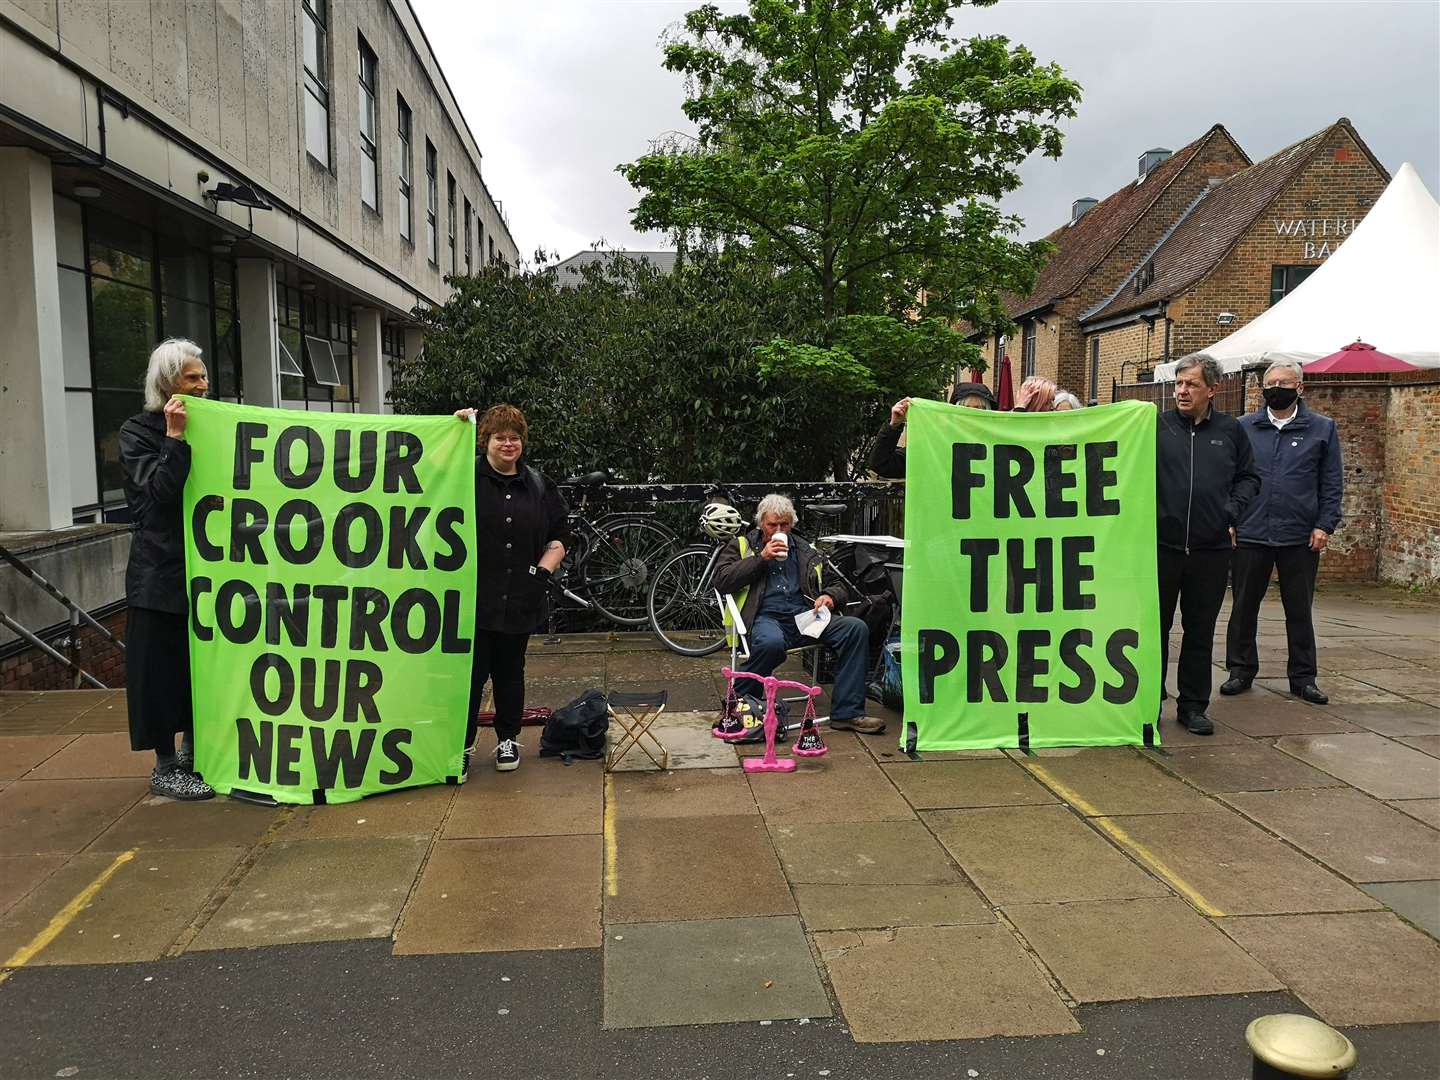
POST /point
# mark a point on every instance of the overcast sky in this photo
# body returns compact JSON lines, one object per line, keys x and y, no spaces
{"x":558,"y":92}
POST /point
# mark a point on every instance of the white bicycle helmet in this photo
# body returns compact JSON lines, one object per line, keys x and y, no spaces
{"x":721,"y":521}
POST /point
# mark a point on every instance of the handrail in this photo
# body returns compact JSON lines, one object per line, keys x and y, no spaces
{"x":30,"y":572}
{"x":77,"y":615}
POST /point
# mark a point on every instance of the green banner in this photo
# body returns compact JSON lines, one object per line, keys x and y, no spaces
{"x":1030,"y":610}
{"x":328,"y":560}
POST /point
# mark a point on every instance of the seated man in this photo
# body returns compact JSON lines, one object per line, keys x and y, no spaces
{"x":774,"y":575}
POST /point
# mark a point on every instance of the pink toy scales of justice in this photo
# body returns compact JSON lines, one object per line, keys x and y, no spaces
{"x":771,"y":763}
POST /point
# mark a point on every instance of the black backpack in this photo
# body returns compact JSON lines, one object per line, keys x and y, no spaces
{"x":577,"y":730}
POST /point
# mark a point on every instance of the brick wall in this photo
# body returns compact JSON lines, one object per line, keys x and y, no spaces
{"x":1359,"y":412}
{"x":1410,"y":498}
{"x":31,"y":669}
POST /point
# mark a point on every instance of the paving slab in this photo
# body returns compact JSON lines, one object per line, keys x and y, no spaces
{"x":1407,"y":718}
{"x":1106,"y":950}
{"x":10,"y":700}
{"x":21,"y":873}
{"x":317,"y":890}
{"x":1101,"y":781}
{"x":687,"y":736}
{"x":1378,"y":765}
{"x":1038,"y":854}
{"x":95,"y":757}
{"x":1409,"y":681}
{"x":55,"y":708}
{"x":1173,"y":734}
{"x":1421,"y":651}
{"x":109,"y":714}
{"x":542,"y":798}
{"x":1429,"y":744}
{"x":862,"y":853}
{"x":61,"y":816}
{"x":687,"y":793}
{"x":409,"y":812}
{"x":1252,"y":766}
{"x":504,"y":894}
{"x":134,"y":916}
{"x":859,"y":907}
{"x":940,"y":785}
{"x":710,"y":972}
{"x":1266,"y":715}
{"x":1361,"y":968}
{"x":842,"y":746}
{"x":941,"y":982}
{"x":1341,"y":690}
{"x":830,"y":789}
{"x":1418,"y":902}
{"x":155,"y":822}
{"x":21,"y":753}
{"x":1427,"y":810}
{"x":1349,"y":832}
{"x":1238,"y":868}
{"x":695,"y":868}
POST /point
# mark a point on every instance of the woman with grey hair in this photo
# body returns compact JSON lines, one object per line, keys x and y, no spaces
{"x":156,"y":460}
{"x":1065,"y":401}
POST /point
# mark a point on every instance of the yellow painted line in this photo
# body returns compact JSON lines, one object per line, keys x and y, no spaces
{"x":1125,"y":840}
{"x":612,"y":870}
{"x":64,"y":917}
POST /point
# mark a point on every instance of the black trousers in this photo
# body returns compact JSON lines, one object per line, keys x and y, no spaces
{"x":157,"y":678}
{"x":1197,"y":580}
{"x":1298,"y":566}
{"x":500,"y":660}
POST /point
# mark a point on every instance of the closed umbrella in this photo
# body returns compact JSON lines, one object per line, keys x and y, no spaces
{"x":1358,"y":358}
{"x":1005,"y":391}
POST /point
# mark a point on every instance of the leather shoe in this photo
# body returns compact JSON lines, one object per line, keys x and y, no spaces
{"x":1236,"y":684}
{"x":1198,"y":724}
{"x":1311,"y":693}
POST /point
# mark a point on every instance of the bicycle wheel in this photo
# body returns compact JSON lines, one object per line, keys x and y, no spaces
{"x":621,"y":559}
{"x":682,"y":606}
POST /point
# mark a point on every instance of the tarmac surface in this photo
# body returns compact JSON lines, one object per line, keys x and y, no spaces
{"x":1114,"y":912}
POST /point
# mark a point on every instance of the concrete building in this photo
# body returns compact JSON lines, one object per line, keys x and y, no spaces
{"x":284,"y":181}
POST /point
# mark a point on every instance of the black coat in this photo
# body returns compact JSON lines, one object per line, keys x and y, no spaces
{"x":887,"y":456}
{"x":735,"y":573}
{"x":514,"y":522}
{"x":1204,"y":479}
{"x":155,"y":471}
{"x":1302,"y":478}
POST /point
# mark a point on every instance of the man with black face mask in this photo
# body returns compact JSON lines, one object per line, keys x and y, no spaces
{"x":1286,"y":528}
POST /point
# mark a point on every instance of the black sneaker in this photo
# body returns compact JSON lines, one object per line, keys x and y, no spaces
{"x":177,"y":783}
{"x":507,"y":756}
{"x":1198,"y":724}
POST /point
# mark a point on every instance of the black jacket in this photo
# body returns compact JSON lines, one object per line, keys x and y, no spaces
{"x":887,"y":456}
{"x":514,"y":521}
{"x":1301,"y":478}
{"x":155,"y":471}
{"x":1204,"y":479}
{"x":734,"y":574}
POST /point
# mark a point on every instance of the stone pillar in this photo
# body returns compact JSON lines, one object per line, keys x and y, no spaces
{"x":414,"y":342}
{"x":368,"y":361}
{"x":259,"y":343}
{"x":34,"y":464}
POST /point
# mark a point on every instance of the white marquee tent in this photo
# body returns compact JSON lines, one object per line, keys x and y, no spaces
{"x":1382,"y":286}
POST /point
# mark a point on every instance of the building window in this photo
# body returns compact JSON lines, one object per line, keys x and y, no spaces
{"x":402,"y":151}
{"x":1284,"y":279}
{"x":450,"y":221}
{"x":432,"y":206}
{"x":1095,"y":369}
{"x":469,"y":246}
{"x":317,"y":81}
{"x":369,"y":130}
{"x":1027,"y":362}
{"x":999,"y":357}
{"x":317,"y":338}
{"x":480,"y":240}
{"x":492,"y":249}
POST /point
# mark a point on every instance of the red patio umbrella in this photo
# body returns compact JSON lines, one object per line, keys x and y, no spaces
{"x":1357,"y":358}
{"x":1005,"y":389}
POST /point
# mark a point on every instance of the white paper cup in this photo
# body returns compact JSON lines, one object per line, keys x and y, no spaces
{"x":784,"y":539}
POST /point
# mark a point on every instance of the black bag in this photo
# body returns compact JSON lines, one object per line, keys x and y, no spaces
{"x":577,"y":730}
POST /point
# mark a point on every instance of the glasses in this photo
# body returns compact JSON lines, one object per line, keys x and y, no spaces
{"x":506,"y":439}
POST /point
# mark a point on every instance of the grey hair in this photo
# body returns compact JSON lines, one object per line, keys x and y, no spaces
{"x":778,"y":505}
{"x":1286,"y":365}
{"x":1209,"y":368}
{"x":1065,"y":397}
{"x":163,"y":373}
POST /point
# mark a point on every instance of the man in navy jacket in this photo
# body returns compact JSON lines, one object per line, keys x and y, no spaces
{"x":1204,"y":479}
{"x":1285,"y":528}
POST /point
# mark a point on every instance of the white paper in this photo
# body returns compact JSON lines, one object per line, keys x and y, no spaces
{"x":812,"y":623}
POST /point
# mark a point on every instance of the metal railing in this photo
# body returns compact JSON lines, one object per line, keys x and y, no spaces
{"x":77,"y":615}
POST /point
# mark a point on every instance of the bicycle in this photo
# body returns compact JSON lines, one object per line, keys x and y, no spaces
{"x":614,"y":557}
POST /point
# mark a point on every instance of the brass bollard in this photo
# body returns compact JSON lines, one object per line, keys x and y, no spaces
{"x":1286,"y":1045}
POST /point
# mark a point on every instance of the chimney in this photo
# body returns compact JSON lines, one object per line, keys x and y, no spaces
{"x":1150,"y":158}
{"x":1080,"y":207}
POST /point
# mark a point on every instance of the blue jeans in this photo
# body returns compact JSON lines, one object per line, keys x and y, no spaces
{"x":847,"y":635}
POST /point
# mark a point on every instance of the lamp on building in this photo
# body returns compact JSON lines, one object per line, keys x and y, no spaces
{"x":1225,"y":318}
{"x":239,"y":194}
{"x":86,"y":191}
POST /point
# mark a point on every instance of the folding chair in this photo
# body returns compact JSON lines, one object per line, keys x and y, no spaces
{"x":737,"y":636}
{"x":635,"y":713}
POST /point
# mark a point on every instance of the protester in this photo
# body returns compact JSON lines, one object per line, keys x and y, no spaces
{"x":1037,"y":394}
{"x":1297,"y":452}
{"x":774,"y":576}
{"x":1065,"y":401}
{"x":887,"y":457}
{"x":1204,"y":478}
{"x":521,"y":533}
{"x":156,"y":460}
